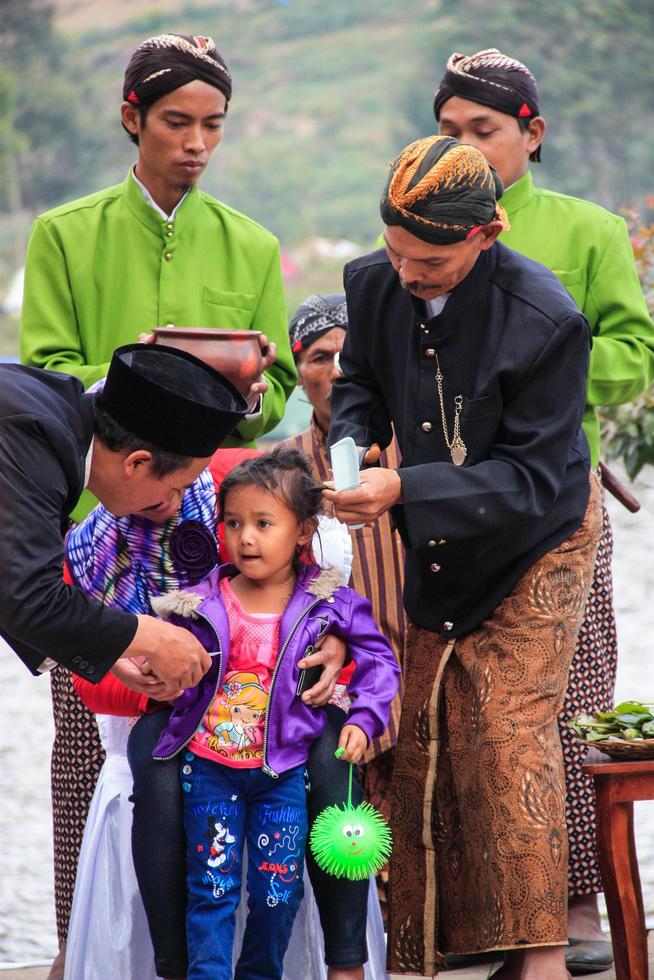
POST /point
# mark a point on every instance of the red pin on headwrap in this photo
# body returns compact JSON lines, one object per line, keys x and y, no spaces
{"x":524,"y":110}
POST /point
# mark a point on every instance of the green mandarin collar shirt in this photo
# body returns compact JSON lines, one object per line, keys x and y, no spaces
{"x":588,"y":248}
{"x":105,"y":268}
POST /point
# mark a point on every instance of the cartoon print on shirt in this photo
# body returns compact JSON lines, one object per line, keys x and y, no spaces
{"x":236,"y":716}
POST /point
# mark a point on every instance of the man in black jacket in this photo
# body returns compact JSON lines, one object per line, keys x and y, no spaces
{"x":478,"y":358}
{"x":137,"y":445}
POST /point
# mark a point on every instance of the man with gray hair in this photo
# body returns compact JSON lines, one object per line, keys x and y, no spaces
{"x":478,"y":358}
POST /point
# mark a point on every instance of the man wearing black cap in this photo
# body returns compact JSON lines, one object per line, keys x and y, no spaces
{"x":138,"y":445}
{"x":491,"y":101}
{"x":478,"y":357}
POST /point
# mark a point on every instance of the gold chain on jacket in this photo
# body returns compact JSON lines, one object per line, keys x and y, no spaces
{"x":457,"y":447}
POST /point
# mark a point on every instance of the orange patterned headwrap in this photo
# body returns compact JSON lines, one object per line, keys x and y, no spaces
{"x":441,"y":191}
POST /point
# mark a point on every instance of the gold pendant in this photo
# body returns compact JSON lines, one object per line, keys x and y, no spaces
{"x":458,"y":451}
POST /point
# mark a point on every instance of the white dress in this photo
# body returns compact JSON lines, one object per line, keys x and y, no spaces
{"x":108,"y":936}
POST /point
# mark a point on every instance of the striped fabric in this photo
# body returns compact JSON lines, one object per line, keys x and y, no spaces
{"x":123,"y":561}
{"x":377,"y":568}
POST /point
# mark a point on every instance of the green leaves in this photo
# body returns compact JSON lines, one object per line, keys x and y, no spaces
{"x":628,"y":430}
{"x":629,"y":721}
{"x":628,"y":433}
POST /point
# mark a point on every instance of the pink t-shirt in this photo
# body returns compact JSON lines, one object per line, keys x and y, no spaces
{"x":232,"y":729}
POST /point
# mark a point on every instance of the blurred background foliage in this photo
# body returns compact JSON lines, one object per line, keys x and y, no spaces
{"x":628,"y":430}
{"x":325,"y":94}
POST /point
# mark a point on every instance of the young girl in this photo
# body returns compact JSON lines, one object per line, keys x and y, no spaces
{"x":247,"y":781}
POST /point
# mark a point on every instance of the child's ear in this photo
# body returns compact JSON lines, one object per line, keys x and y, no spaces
{"x":307,"y":530}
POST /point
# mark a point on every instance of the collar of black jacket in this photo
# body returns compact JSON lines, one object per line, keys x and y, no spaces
{"x":463,"y":297}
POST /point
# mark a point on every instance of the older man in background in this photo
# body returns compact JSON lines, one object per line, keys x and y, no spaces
{"x":317,"y":331}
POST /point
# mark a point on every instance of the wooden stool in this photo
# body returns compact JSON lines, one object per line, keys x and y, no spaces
{"x":617,"y":785}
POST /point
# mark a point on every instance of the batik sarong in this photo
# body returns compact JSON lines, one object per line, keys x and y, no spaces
{"x":480,"y":854}
{"x":591,"y":688}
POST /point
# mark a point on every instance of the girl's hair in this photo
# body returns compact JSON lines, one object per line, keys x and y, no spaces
{"x":286,"y":473}
{"x":245,"y":689}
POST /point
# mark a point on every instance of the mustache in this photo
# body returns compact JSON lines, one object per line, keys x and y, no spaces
{"x":417,"y":287}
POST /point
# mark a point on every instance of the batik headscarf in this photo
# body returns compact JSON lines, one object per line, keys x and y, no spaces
{"x":441,"y":191}
{"x":315,"y":317}
{"x":493,"y":79}
{"x":166,"y":62}
{"x":125,"y":561}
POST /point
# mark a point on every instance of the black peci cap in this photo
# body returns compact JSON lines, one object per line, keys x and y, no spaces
{"x":171,"y":399}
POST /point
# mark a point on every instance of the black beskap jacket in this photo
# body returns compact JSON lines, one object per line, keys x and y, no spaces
{"x":511,"y":340}
{"x":46,"y":427}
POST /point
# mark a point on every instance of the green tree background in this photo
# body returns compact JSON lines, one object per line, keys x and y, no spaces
{"x":325,"y":94}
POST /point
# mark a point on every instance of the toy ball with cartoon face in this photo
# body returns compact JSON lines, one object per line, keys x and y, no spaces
{"x":350,"y":842}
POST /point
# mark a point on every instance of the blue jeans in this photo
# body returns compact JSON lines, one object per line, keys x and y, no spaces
{"x":158,"y":816}
{"x":342,"y":904}
{"x":224,"y":808}
{"x":158,"y":844}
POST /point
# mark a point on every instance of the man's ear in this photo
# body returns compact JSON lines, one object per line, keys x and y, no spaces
{"x":130,"y":117}
{"x":488,"y":233}
{"x":136,"y":461}
{"x":536,"y":130}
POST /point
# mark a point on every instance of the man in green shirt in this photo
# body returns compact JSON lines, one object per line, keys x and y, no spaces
{"x":491,"y":101}
{"x":155,"y":250}
{"x":152,"y":251}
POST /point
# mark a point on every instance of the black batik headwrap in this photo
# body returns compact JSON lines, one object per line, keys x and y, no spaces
{"x":493,"y":79}
{"x":166,"y":62}
{"x":442,"y":191}
{"x":315,"y":317}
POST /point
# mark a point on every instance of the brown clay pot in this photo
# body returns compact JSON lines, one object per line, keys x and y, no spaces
{"x":235,"y":353}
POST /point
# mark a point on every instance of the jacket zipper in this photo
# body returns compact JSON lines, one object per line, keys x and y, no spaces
{"x":265,"y":767}
{"x":165,"y":758}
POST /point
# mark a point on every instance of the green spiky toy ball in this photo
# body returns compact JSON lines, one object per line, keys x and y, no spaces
{"x":350,"y":842}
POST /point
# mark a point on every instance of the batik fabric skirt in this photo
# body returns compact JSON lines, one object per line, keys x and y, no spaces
{"x":478,"y":809}
{"x":77,"y":758}
{"x":591,"y":687}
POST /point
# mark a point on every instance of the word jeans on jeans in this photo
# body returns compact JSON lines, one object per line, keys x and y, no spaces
{"x":223,"y":808}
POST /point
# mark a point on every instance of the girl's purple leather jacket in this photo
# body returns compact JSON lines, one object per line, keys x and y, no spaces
{"x":319,"y":605}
